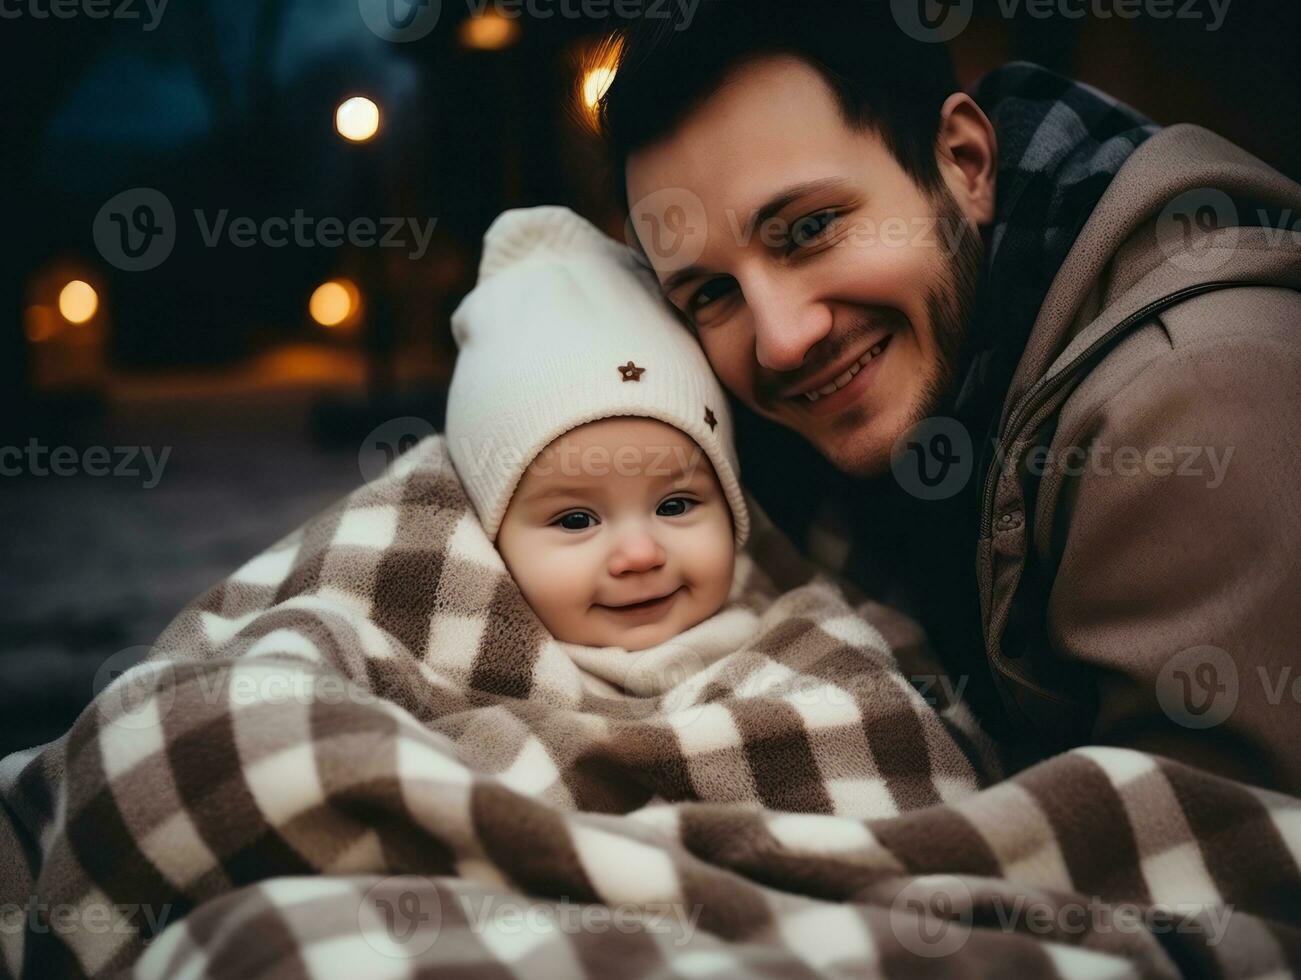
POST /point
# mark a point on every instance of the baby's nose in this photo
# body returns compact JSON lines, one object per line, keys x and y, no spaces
{"x":635,"y":550}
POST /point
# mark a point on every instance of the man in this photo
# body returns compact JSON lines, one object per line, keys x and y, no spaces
{"x":1049,"y":350}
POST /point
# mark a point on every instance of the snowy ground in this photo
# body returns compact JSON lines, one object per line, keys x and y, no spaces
{"x":92,"y":565}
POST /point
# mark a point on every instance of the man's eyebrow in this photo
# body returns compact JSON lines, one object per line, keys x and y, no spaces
{"x":768,"y":209}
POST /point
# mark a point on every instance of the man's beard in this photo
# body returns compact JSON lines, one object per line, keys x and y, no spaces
{"x":951,"y":302}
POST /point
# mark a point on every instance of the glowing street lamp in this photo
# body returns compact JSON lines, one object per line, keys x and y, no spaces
{"x":334,"y":303}
{"x":599,"y":66}
{"x":357,"y":119}
{"x":78,"y":301}
{"x":595,"y":82}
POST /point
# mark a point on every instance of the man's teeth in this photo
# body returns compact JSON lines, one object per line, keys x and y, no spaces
{"x":845,"y":378}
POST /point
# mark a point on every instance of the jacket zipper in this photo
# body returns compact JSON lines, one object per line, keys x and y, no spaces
{"x":1046,"y":387}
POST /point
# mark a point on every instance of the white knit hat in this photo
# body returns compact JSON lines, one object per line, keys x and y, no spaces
{"x":565,"y":327}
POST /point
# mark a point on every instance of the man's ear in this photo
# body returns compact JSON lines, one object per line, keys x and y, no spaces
{"x":966,"y":150}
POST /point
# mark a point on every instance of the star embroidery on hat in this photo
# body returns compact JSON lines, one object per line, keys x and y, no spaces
{"x":631,"y":372}
{"x":709,"y":418}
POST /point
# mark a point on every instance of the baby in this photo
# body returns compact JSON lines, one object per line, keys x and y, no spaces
{"x":592,"y":437}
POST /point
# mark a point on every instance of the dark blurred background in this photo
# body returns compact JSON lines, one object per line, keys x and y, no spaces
{"x":177,"y":391}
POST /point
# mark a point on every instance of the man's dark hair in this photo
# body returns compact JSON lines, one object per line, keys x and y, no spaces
{"x":883,"y":80}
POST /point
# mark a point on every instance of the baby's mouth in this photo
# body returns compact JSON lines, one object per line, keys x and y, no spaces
{"x":644,"y":605}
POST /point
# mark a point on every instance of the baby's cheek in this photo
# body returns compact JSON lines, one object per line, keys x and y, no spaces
{"x":557,"y":612}
{"x":558,"y":585}
{"x":715,"y":559}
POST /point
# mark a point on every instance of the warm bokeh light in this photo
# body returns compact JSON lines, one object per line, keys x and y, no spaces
{"x":595,"y":82}
{"x":357,"y":119}
{"x":78,"y":301}
{"x":40,"y":323}
{"x":597,"y":66}
{"x":334,"y":303}
{"x":489,"y":31}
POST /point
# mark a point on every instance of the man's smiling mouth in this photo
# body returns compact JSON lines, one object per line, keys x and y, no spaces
{"x":807,"y":393}
{"x":831,"y":387}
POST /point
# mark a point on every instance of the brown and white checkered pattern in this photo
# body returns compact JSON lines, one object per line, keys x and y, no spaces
{"x":362,"y":755}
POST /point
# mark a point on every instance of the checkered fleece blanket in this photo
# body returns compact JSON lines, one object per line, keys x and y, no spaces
{"x":361,"y":755}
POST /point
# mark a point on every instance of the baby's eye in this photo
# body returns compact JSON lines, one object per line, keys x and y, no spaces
{"x":675,"y":507}
{"x":575,"y":521}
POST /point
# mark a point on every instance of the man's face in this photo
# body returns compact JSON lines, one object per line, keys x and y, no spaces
{"x":840,"y":313}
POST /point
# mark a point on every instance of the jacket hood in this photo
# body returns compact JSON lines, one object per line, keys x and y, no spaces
{"x":1188,"y":207}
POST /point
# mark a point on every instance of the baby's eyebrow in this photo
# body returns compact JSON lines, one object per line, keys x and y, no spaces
{"x":573,"y":490}
{"x":557,"y":490}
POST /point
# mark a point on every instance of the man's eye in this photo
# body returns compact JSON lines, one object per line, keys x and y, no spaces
{"x":809,"y":229}
{"x":575,"y":521}
{"x":710,"y":291}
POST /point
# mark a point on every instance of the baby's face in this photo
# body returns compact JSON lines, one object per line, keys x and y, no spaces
{"x":619,"y":535}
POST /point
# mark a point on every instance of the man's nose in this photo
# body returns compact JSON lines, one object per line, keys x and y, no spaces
{"x":786,"y":325}
{"x":635,"y":550}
